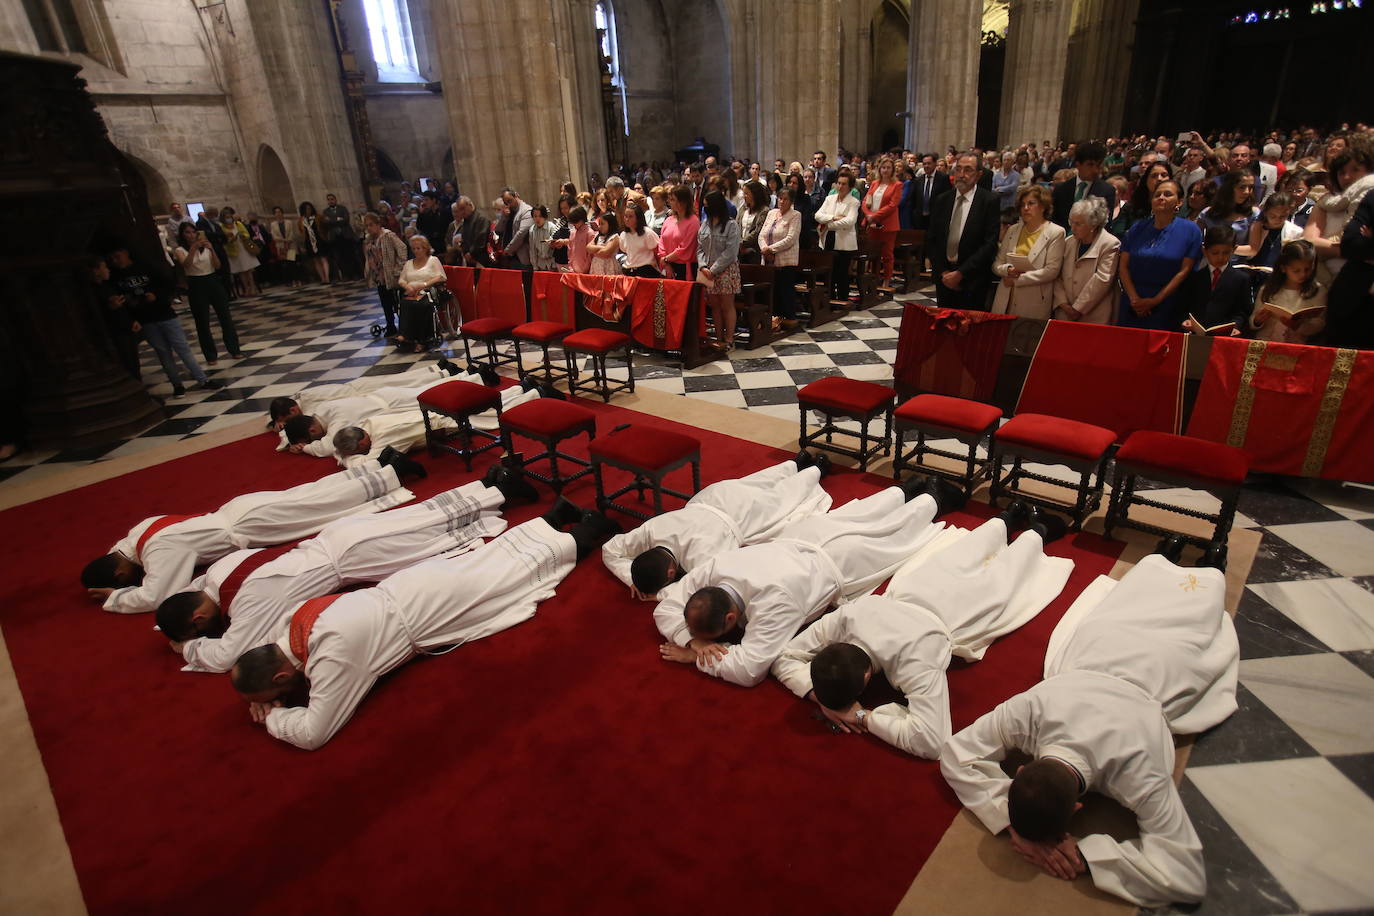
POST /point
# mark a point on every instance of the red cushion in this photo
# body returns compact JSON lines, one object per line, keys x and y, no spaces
{"x":951,"y":413}
{"x":1056,"y":435}
{"x":595,"y":340}
{"x":1185,"y":456}
{"x":459,"y":398}
{"x":486,"y":327}
{"x":545,"y":417}
{"x":846,"y":394}
{"x":541,"y":331}
{"x":642,"y":447}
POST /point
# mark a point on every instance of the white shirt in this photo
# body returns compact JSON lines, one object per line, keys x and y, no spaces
{"x":428,"y":274}
{"x":639,"y":248}
{"x":198,"y":264}
{"x":958,"y":216}
{"x":169,"y":559}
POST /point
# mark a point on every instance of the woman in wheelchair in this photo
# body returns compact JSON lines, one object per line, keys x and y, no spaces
{"x":424,"y":298}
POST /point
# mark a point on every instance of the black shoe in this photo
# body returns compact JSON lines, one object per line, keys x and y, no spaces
{"x":947,"y":496}
{"x":914,"y":486}
{"x":178,"y":390}
{"x":1171,"y":548}
{"x":405,"y":466}
{"x":1215,"y":557}
{"x":514,"y":487}
{"x":823,"y":464}
{"x":804,"y":460}
{"x":1016,"y":515}
{"x":449,"y":366}
{"x":490,"y":378}
{"x":603,"y":524}
{"x":563,"y":512}
{"x":529,"y":383}
{"x":548,"y":391}
{"x":211,"y":385}
{"x":1049,"y":526}
{"x":592,"y":531}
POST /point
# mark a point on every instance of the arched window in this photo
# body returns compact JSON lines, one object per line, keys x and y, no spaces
{"x":610,"y":56}
{"x":393,"y":46}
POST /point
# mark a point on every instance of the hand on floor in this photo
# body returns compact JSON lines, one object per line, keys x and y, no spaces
{"x":1060,"y":860}
{"x":708,"y":652}
{"x":675,"y":653}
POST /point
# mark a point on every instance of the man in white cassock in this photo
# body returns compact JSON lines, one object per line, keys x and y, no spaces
{"x":954,"y":598}
{"x":339,"y":645}
{"x":723,"y":516}
{"x":771,"y":590}
{"x":313,"y":399}
{"x":1130,"y":663}
{"x":241,"y":600}
{"x":159,"y":555}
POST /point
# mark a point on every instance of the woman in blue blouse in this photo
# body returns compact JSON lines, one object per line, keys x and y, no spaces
{"x":1157,"y":255}
{"x":1233,"y":205}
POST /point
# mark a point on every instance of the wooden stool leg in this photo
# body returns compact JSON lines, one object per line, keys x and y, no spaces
{"x":429,"y":433}
{"x":630,"y":367}
{"x":658,"y":495}
{"x":1114,"y":505}
{"x":696,"y":476}
{"x":863,"y":443}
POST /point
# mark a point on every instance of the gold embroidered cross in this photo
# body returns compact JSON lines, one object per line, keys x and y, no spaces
{"x":1191,"y":584}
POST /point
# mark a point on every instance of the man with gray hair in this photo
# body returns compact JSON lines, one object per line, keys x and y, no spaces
{"x":468,"y":236}
{"x":1269,"y":170}
{"x":515,"y":234}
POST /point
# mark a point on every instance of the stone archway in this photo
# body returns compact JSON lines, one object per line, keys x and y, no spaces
{"x":889,"y":39}
{"x":158,"y":192}
{"x":274,"y":185}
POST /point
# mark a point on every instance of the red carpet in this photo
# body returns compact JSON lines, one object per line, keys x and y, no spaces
{"x":557,"y":767}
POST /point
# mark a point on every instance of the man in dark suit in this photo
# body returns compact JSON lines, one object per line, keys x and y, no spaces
{"x":1088,"y":160}
{"x":926,"y":188}
{"x":962,"y":239}
{"x":825,"y":174}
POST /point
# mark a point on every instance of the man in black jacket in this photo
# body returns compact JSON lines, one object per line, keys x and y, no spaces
{"x":926,"y":188}
{"x":962,"y":239}
{"x":1088,"y":159}
{"x":1350,"y":315}
{"x":1216,"y":293}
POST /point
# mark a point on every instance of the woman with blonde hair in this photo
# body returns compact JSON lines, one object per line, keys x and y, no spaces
{"x":422,"y":294}
{"x":880,"y":213}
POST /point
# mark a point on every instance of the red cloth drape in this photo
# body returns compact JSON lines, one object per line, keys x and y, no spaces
{"x":658,"y":313}
{"x":501,"y":294}
{"x":551,"y":299}
{"x":604,"y":295}
{"x":1293,"y":409}
{"x":950,"y":351}
{"x":1124,"y":379}
{"x":461,"y":282}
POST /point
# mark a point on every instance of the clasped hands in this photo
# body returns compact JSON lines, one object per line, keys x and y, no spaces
{"x":846,"y":720}
{"x":696,"y":650}
{"x":259,"y":711}
{"x":1059,"y":860}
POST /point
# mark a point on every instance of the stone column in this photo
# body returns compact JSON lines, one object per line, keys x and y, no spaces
{"x":1099,"y":63}
{"x":1033,"y":82}
{"x":856,"y":79}
{"x":942,"y":86}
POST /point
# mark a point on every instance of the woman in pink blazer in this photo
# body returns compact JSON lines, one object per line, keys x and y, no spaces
{"x":778,"y":245}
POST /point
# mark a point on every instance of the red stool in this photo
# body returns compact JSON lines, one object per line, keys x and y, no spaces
{"x":549,"y":422}
{"x":648,"y":454}
{"x":490,"y":331}
{"x":846,"y":397}
{"x":598,"y":343}
{"x":1038,"y":437}
{"x":1184,"y":461}
{"x":459,"y":401}
{"x":543,"y":333}
{"x":970,"y":422}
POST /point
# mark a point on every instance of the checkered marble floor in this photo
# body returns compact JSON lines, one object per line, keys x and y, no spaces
{"x":1282,"y":793}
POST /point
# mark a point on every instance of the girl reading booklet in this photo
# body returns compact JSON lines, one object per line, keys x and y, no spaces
{"x":1291,"y":304}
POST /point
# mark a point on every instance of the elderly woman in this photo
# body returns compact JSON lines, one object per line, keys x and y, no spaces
{"x":423,"y":293}
{"x":1086,"y":288}
{"x":384,"y":254}
{"x":659,"y":210}
{"x":778,"y":245}
{"x":1029,"y":258}
{"x":1156,"y":257}
{"x":1006,"y":181}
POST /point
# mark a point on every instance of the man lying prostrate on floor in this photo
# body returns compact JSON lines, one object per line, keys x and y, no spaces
{"x":159,"y":555}
{"x":721,"y":517}
{"x":955,"y":601}
{"x":1128,"y":663}
{"x":771,"y":590}
{"x":241,"y":600}
{"x":391,"y":417}
{"x":311,"y":400}
{"x":339,"y":645}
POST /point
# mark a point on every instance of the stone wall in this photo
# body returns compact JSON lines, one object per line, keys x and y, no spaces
{"x":410,"y":126}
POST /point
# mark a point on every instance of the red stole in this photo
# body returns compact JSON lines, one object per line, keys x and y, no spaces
{"x":658,"y":313}
{"x":303,"y":621}
{"x":229,"y":589}
{"x":160,"y":523}
{"x":604,"y":295}
{"x":550,"y":298}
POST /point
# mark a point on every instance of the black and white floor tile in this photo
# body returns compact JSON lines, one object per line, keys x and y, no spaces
{"x":1282,"y":793}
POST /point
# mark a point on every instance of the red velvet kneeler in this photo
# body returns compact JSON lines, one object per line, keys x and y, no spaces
{"x":462,"y":284}
{"x":951,"y":351}
{"x":658,"y":313}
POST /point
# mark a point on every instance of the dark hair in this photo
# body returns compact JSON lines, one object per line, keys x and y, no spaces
{"x":1041,"y":800}
{"x":683,"y":195}
{"x":1090,"y":152}
{"x":714,"y":205}
{"x":253,"y":671}
{"x":612,"y":224}
{"x":298,"y":429}
{"x":709,"y":606}
{"x":1219,"y":235}
{"x":304,"y":205}
{"x":729,"y":181}
{"x":837,"y":674}
{"x":1296,"y":250}
{"x":577,"y":214}
{"x":1140,"y":200}
{"x":1275,"y":200}
{"x":174,"y":615}
{"x":1224,"y":200}
{"x":759,"y":191}
{"x":649,"y":570}
{"x":1294,"y":176}
{"x":280,"y":407}
{"x":540,"y":210}
{"x":182,"y":229}
{"x":100,"y":572}
{"x":569,"y":189}
{"x":434,"y":195}
{"x":638,"y":211}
